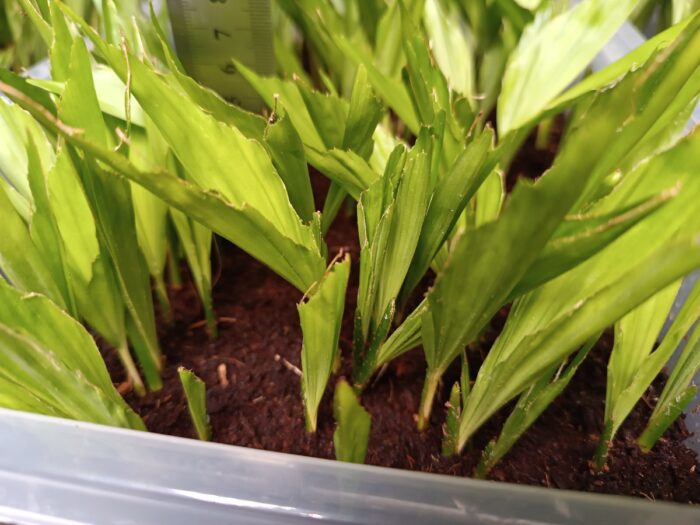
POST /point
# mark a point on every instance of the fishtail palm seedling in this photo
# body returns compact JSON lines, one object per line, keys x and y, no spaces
{"x":253,"y":210}
{"x":195,"y":394}
{"x":556,"y":246}
{"x":321,"y":318}
{"x":353,"y":425}
{"x":402,"y":127}
{"x":599,"y":277}
{"x":633,"y":365}
{"x":51,"y":365}
{"x":86,"y":232}
{"x":396,"y":241}
{"x":680,"y":388}
{"x":56,"y":238}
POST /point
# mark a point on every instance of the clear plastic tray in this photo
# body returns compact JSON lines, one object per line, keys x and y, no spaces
{"x":59,"y":471}
{"x":56,"y":471}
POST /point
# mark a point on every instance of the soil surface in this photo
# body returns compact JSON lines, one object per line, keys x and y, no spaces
{"x":532,"y":160}
{"x":253,"y":392}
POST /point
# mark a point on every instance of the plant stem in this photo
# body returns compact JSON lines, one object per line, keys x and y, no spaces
{"x":544,"y":134}
{"x":601,"y":453}
{"x":363,"y":375}
{"x":310,"y":420}
{"x":163,"y":300}
{"x":650,"y":436}
{"x":132,"y":372}
{"x":486,"y":462}
{"x":659,"y":422}
{"x":337,"y":362}
{"x":174,"y":271}
{"x":212,"y":328}
{"x":432,"y":379}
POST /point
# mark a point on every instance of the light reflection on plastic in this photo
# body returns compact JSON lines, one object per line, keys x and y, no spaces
{"x":244,"y":503}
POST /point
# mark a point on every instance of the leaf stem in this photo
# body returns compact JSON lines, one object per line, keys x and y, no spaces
{"x":544,"y":134}
{"x":486,"y":462}
{"x":132,"y":372}
{"x":212,"y":327}
{"x":601,"y":453}
{"x":432,"y":379}
{"x":174,"y":275}
{"x":660,"y":421}
{"x":363,"y":374}
{"x":162,"y":296}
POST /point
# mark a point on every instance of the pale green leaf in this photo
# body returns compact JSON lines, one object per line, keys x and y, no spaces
{"x":90,"y":273}
{"x":111,"y":204}
{"x":499,"y":253}
{"x":20,"y":260}
{"x":451,"y":425}
{"x":346,"y":168}
{"x":49,"y":356}
{"x":391,"y":89}
{"x":353,"y":425}
{"x":287,"y":152}
{"x":300,"y":265}
{"x":43,"y":227}
{"x":456,"y":187}
{"x":618,"y":69}
{"x":17,"y":128}
{"x":629,"y":374}
{"x":583,"y":236}
{"x":196,"y":241}
{"x":364,"y":113}
{"x":321,"y":317}
{"x":42,"y":26}
{"x":208,"y":153}
{"x":61,"y":45}
{"x":679,"y":388}
{"x":388,"y":51}
{"x":551,"y":53}
{"x":500,"y":380}
{"x":250,"y":124}
{"x":288,"y":94}
{"x":391,"y":214}
{"x":148,"y":152}
{"x":638,"y":250}
{"x":196,"y":396}
{"x":73,"y":217}
{"x":489,"y":198}
{"x":684,"y":8}
{"x":404,"y":338}
{"x":529,"y":407}
{"x":451,"y":46}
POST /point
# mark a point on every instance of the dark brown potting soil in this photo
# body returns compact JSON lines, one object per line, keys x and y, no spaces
{"x":531,"y":161}
{"x":253,"y":394}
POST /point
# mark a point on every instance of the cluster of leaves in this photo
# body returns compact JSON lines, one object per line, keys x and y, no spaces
{"x":656,"y":15}
{"x":51,"y":366}
{"x":90,"y":241}
{"x":19,"y":42}
{"x":549,"y":240}
{"x":103,"y":187}
{"x":87,"y":237}
{"x":77,"y":223}
{"x":23,"y":38}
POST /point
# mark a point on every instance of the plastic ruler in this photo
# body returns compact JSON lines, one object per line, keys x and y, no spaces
{"x":209,"y":33}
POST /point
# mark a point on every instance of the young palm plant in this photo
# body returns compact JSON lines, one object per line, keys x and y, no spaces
{"x":51,"y":364}
{"x":252,"y":209}
{"x":401,"y":129}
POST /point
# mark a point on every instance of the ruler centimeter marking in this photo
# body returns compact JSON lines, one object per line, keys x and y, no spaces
{"x":209,"y":33}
